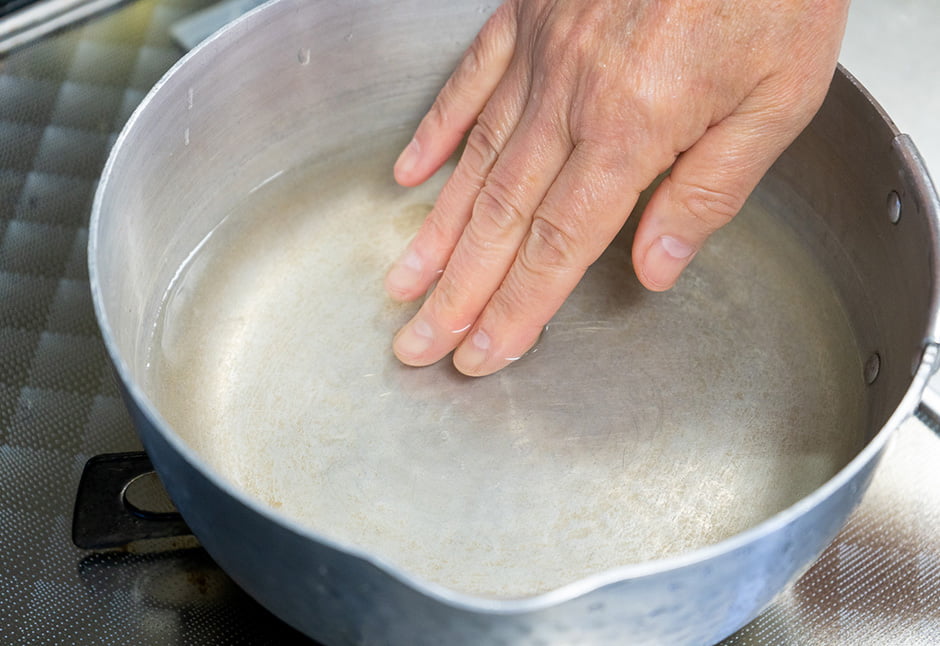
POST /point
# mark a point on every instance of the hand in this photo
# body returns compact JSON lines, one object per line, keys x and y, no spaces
{"x":573,"y":109}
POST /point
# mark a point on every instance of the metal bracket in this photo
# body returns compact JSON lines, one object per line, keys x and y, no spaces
{"x":103,"y":515}
{"x":922,"y":195}
{"x":928,"y":412}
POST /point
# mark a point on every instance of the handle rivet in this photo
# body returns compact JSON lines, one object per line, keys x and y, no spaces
{"x":872,"y":368}
{"x":894,"y":207}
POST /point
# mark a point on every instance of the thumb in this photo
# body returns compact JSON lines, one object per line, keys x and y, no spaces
{"x":706,"y":188}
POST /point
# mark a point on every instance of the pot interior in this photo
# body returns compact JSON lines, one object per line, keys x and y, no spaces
{"x":640,"y":426}
{"x":241,"y":280}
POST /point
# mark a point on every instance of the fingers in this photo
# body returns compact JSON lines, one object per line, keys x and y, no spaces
{"x":580,"y":214}
{"x":585,"y":208}
{"x":460,"y":101}
{"x":487,"y":243}
{"x":482,"y":90}
{"x":708,"y":185}
{"x":431,"y":248}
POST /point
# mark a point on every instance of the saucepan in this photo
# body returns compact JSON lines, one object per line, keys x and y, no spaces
{"x":654,"y":471}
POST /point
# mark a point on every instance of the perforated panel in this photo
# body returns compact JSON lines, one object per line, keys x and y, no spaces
{"x":62,"y":102}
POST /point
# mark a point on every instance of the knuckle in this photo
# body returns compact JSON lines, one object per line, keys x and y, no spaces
{"x":575,"y":34}
{"x":483,"y":145}
{"x":462,"y":86}
{"x":612,"y":131}
{"x":511,"y":299}
{"x":474,"y":59}
{"x":713,"y":208}
{"x":514,"y":296}
{"x":549,"y":249}
{"x":448,"y":301}
{"x":437,"y":116}
{"x":497,"y":208}
{"x":436,"y":233}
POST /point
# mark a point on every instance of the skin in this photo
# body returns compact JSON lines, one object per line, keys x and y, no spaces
{"x":571,"y":109}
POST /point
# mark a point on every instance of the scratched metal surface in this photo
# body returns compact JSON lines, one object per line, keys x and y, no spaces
{"x":62,"y":101}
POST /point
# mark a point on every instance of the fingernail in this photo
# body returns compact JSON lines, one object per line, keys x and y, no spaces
{"x":665,"y":260}
{"x":408,"y":158}
{"x":475,"y":352}
{"x":404,"y":274}
{"x":676,"y":248}
{"x":414,"y":340}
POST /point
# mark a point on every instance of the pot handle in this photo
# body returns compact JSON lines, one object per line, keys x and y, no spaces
{"x":928,"y":411}
{"x":924,"y":199}
{"x":928,"y":373}
{"x":105,"y":517}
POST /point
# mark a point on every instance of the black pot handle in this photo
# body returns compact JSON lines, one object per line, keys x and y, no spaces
{"x":103,"y":515}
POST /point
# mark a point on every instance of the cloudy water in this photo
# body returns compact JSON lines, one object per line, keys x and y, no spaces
{"x":643,"y":426}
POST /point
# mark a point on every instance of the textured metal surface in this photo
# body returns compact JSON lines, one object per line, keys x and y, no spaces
{"x":61,"y":101}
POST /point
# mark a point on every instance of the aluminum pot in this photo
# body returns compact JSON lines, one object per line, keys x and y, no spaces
{"x":295,"y":80}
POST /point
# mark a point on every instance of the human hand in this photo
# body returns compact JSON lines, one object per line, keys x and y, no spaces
{"x":573,"y":109}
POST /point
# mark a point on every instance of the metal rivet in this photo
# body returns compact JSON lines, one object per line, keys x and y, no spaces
{"x":894,"y":207}
{"x":872,"y":368}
